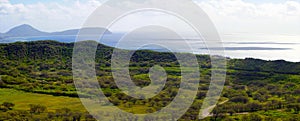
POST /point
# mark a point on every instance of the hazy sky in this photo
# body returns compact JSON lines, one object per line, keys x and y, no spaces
{"x":230,"y":16}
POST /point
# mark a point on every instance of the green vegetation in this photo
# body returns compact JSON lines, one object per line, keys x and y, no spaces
{"x":37,"y":83}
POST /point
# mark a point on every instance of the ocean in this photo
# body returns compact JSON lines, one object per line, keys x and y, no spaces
{"x":234,"y":47}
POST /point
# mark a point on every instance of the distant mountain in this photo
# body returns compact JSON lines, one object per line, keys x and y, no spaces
{"x":90,"y":31}
{"x":26,"y":30}
{"x":67,"y":32}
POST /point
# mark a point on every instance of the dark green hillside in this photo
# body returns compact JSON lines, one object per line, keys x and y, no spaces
{"x":36,"y":50}
{"x":279,"y":66}
{"x":254,"y":89}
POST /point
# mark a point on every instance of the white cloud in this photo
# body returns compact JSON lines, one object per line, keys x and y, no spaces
{"x":4,"y":1}
{"x":239,"y":8}
{"x":230,"y":16}
{"x":46,"y":16}
{"x":239,"y":16}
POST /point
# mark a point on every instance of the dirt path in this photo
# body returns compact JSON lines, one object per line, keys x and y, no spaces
{"x":207,"y":113}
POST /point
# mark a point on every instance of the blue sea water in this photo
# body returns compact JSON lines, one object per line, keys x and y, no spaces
{"x":108,"y":39}
{"x":267,"y":50}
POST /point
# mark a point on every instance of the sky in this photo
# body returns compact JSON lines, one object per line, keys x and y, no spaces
{"x":262,"y":21}
{"x":271,"y":17}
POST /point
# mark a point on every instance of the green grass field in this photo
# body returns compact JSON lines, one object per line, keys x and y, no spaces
{"x":23,"y":99}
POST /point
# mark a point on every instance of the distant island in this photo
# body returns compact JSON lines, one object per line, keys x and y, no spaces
{"x":26,"y":30}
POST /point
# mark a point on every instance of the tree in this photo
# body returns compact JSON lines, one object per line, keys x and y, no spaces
{"x":228,"y":119}
{"x":295,"y":107}
{"x":2,"y":84}
{"x":37,"y":108}
{"x":77,"y":117}
{"x":255,"y":117}
{"x":259,"y":97}
{"x":231,"y":112}
{"x":8,"y":105}
{"x":254,"y":106}
{"x":245,"y":118}
{"x":217,"y":112}
{"x":239,"y":99}
{"x":201,"y":94}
